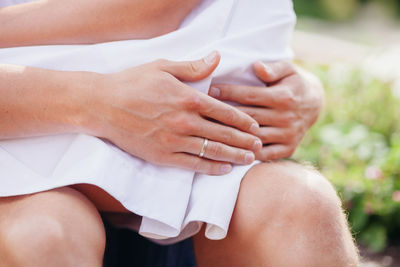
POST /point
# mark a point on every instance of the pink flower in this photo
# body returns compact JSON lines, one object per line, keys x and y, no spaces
{"x":396,"y":196}
{"x":373,"y":173}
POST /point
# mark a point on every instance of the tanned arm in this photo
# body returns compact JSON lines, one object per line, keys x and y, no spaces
{"x":89,"y":21}
{"x":145,"y":110}
{"x":38,"y":102}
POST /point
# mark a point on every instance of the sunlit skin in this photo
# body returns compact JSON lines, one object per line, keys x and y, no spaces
{"x":116,"y":107}
{"x":89,"y":21}
{"x":286,"y":214}
{"x":286,"y":108}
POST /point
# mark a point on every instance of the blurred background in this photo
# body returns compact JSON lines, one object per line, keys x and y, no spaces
{"x":353,"y":46}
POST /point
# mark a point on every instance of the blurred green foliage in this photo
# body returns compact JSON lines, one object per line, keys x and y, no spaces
{"x":356,"y":145}
{"x":339,"y":9}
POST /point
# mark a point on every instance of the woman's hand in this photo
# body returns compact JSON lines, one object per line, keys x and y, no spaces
{"x":148,"y":112}
{"x":285,"y":109}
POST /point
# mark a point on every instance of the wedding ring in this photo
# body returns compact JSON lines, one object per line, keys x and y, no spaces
{"x":203,"y":149}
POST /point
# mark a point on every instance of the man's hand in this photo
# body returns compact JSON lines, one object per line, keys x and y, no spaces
{"x":285,"y":109}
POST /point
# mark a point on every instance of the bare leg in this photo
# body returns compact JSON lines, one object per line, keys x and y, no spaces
{"x":60,"y":227}
{"x":286,"y":215}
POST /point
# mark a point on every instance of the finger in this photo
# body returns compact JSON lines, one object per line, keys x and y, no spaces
{"x":191,"y":71}
{"x":273,"y":71}
{"x":274,"y":152}
{"x":218,"y":151}
{"x":200,"y":165}
{"x":274,"y":97}
{"x":270,"y":135}
{"x":269,"y":117}
{"x":227,"y":135}
{"x":226,"y":114}
{"x":249,"y":95}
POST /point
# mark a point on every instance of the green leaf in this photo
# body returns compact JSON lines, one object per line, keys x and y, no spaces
{"x":375,"y":237}
{"x":357,"y":217}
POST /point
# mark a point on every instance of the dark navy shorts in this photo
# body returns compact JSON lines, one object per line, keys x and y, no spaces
{"x":126,"y":248}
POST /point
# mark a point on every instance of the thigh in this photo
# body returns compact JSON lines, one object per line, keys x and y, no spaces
{"x":64,"y":204}
{"x":103,"y":201}
{"x":59,"y":219}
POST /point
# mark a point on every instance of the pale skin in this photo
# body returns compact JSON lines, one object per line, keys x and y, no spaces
{"x":265,"y":227}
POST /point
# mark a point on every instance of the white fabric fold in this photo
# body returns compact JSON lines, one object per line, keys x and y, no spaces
{"x":174,"y":203}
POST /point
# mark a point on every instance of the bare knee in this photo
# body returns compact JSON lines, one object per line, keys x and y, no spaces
{"x":290,"y":203}
{"x":60,"y":231}
{"x":34,"y":237}
{"x":286,"y":190}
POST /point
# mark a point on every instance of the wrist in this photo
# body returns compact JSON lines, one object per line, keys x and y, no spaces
{"x":82,"y":94}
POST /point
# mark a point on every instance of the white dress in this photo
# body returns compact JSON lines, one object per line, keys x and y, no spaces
{"x":173,"y":203}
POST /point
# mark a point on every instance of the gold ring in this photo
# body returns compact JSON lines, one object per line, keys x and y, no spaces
{"x":203,"y":149}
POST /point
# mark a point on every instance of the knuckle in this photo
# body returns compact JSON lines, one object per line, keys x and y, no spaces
{"x":189,"y":126}
{"x":289,"y":118}
{"x":288,"y":97}
{"x":251,"y":112}
{"x":240,"y":156}
{"x":195,"y":67}
{"x":215,"y":149}
{"x":227,"y":137}
{"x":184,"y":124}
{"x":251,"y":96}
{"x":230,"y":115}
{"x":167,"y":139}
{"x":191,"y":102}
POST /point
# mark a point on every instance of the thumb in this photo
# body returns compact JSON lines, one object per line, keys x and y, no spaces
{"x":192,"y":71}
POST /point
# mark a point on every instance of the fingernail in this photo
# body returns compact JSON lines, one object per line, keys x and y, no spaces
{"x":257,"y":145}
{"x":249,"y":157}
{"x":210,"y":59}
{"x":226,"y":168}
{"x":267,"y":68}
{"x":254,"y":128}
{"x":214,"y":92}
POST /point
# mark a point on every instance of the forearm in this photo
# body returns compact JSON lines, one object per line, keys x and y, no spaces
{"x":89,"y":21}
{"x":37,"y":102}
